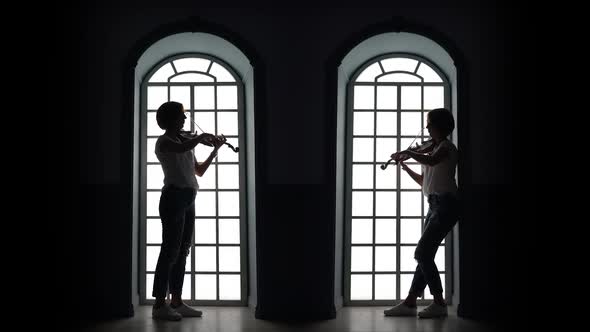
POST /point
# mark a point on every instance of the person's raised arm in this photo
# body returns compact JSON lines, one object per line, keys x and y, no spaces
{"x":439,"y":155}
{"x":169,"y":145}
{"x":415,"y":176}
{"x":201,"y":168}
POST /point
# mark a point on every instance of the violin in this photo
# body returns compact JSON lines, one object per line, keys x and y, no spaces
{"x":188,"y":134}
{"x":426,"y":146}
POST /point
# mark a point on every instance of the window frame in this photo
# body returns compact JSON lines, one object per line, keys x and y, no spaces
{"x":242,"y":190}
{"x":448,"y":242}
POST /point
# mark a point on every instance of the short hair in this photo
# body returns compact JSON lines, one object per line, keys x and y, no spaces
{"x":442,"y":119}
{"x":167,"y":113}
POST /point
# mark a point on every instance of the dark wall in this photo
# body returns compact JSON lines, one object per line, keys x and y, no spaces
{"x":294,"y":53}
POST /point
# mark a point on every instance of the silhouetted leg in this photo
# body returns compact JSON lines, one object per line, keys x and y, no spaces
{"x":178,"y":269}
{"x":172,"y":216}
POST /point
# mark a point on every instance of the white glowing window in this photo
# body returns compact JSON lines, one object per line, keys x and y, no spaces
{"x":387,"y":111}
{"x":210,"y":92}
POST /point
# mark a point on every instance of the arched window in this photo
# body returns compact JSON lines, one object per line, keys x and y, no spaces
{"x":389,"y":97}
{"x":212,"y":93}
{"x":385,"y":86}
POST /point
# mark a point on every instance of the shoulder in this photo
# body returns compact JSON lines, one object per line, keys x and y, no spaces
{"x":446,"y":144}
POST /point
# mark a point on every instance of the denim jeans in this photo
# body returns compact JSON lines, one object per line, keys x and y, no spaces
{"x":177,"y":212}
{"x":443,"y":213}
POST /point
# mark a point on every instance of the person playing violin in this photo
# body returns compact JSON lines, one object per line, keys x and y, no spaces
{"x":439,"y":160}
{"x":177,"y":207}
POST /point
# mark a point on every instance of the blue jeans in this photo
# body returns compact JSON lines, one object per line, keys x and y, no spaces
{"x":177,"y":212}
{"x":443,"y":213}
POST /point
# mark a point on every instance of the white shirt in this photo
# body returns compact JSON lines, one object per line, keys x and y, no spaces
{"x":179,"y":168}
{"x":440,"y":178}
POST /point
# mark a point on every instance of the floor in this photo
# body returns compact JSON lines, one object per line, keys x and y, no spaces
{"x":235,"y":319}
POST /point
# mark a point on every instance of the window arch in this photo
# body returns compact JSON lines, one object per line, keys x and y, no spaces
{"x":212,"y":93}
{"x":385,"y":85}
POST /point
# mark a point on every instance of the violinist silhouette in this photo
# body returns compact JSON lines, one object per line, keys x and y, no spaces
{"x":177,"y":207}
{"x":438,"y":158}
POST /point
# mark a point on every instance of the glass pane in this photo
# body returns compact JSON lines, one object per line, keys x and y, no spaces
{"x":205,"y":231}
{"x":411,"y":123}
{"x":386,"y":203}
{"x":226,"y":154}
{"x":156,"y":96}
{"x":202,"y":152}
{"x":229,"y":176}
{"x":362,"y":203}
{"x":407,"y":261}
{"x":149,"y":285}
{"x":364,"y":97}
{"x":191,"y":78}
{"x":399,"y":77}
{"x":385,"y":231}
{"x":191,"y":64}
{"x":406,"y":181}
{"x":434,"y":97}
{"x":411,"y":204}
{"x":405,"y":282}
{"x":152,"y":125}
{"x":152,"y":203}
{"x":361,"y":287}
{"x":181,"y":94}
{"x":387,"y":97}
{"x":206,"y":122}
{"x":227,"y":123}
{"x":162,"y":75}
{"x":227,"y":98}
{"x":385,"y":287}
{"x":221,"y":73}
{"x":386,"y":179}
{"x":151,"y":148}
{"x":427,"y":295}
{"x":204,"y":98}
{"x":385,"y":147}
{"x":154,"y":177}
{"x":427,"y":73}
{"x":187,"y":123}
{"x":229,"y":203}
{"x":362,"y":231}
{"x":229,"y":259}
{"x":361,"y":259}
{"x":386,"y":123}
{"x":362,"y":176}
{"x":154,"y":231}
{"x":399,"y":64}
{"x":229,"y":287}
{"x":205,"y":287}
{"x":229,"y":231}
{"x":411,"y":97}
{"x":405,"y":144}
{"x":439,"y":259}
{"x":205,"y":259}
{"x":205,"y":204}
{"x":368,"y":75}
{"x":187,"y":286}
{"x":151,"y":257}
{"x":385,"y":259}
{"x":362,"y":149}
{"x":411,"y":230}
{"x":364,"y":123}
{"x":207,"y":181}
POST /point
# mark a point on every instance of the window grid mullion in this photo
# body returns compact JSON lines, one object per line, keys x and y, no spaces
{"x":374,"y":187}
{"x":398,"y":198}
